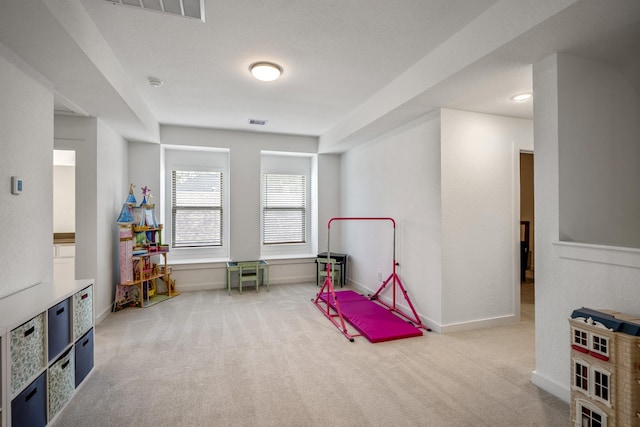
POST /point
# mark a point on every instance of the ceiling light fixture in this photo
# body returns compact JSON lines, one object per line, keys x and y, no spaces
{"x":521,"y":97}
{"x":265,"y":71}
{"x":155,"y":82}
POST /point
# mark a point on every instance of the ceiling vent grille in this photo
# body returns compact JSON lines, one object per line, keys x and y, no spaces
{"x":186,"y":8}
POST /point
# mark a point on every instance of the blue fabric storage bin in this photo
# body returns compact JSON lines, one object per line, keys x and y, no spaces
{"x":84,"y":356}
{"x":59,"y":329}
{"x":29,"y":408}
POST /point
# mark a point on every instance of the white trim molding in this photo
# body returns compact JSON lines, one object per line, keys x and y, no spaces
{"x":627,"y":257}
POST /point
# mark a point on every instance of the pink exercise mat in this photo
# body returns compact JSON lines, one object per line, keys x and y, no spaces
{"x":373,"y":321}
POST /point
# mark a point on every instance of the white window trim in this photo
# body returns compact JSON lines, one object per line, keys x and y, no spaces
{"x":204,"y":254}
{"x":289,"y":250}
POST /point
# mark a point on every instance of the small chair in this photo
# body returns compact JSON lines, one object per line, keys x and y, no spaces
{"x":248,"y":271}
{"x":334,"y":269}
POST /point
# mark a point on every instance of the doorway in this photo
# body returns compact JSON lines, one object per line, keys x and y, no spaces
{"x":527,"y":230}
{"x":64,"y":219}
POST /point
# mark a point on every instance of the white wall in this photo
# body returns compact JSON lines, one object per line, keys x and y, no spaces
{"x":244,"y":153}
{"x":101,"y":188}
{"x":112,"y":190}
{"x":143,"y":171}
{"x":398,"y":176}
{"x":245,"y":202}
{"x":599,"y":154}
{"x":64,"y":199}
{"x":563,"y":281}
{"x":27,"y":151}
{"x":328,"y":198}
{"x":449,"y":179}
{"x":481,"y":217}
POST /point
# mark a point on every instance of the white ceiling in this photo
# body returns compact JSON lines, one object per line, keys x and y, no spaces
{"x":335,"y":54}
{"x":352,"y":68}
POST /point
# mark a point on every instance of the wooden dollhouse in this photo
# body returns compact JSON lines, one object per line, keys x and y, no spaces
{"x":605,"y":368}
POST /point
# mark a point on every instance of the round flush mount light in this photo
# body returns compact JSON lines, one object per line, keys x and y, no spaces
{"x":265,"y":71}
{"x":155,"y":82}
{"x":521,"y":97}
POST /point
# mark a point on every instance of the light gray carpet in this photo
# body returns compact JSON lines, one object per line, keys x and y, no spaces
{"x":272,"y":359}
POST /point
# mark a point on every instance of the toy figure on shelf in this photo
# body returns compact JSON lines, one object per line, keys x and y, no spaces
{"x":126,"y":214}
{"x":149,"y":208}
{"x":131,"y":199}
{"x":146,"y":191}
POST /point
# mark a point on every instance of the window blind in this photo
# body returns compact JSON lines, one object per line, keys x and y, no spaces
{"x":196,"y":209}
{"x":284,"y":211}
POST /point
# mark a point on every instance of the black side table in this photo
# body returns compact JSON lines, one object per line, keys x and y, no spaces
{"x":342,"y":260}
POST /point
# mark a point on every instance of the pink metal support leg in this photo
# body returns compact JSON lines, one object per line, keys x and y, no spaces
{"x":327,"y":311}
{"x":393,"y":307}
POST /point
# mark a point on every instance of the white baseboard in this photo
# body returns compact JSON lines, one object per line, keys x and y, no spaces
{"x":558,"y":390}
{"x":223,"y":285}
{"x":295,"y":280}
{"x":101,"y":316}
{"x":479,"y":324}
{"x":443,"y":329}
{"x":200,"y":287}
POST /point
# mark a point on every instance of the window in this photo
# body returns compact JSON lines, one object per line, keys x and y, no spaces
{"x":581,"y":379}
{"x":580,"y":338}
{"x":284,"y":209}
{"x":590,"y":418}
{"x":590,"y":343}
{"x":593,"y":381}
{"x":601,"y":385}
{"x":196,"y":209}
{"x":288,"y":196}
{"x":600,"y":345}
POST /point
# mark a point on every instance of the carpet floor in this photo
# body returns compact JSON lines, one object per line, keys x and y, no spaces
{"x":272,"y":359}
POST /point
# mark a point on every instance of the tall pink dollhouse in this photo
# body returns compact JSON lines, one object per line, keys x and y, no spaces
{"x":143,"y":257}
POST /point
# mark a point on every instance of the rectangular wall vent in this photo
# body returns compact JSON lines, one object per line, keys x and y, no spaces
{"x":186,"y":8}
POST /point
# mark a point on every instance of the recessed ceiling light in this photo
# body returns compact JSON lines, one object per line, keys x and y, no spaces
{"x":265,"y":71}
{"x":521,"y":97}
{"x":155,"y":82}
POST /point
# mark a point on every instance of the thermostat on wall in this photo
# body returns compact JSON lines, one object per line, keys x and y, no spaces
{"x":16,"y":185}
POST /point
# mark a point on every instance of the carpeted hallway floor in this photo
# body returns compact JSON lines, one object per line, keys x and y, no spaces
{"x":272,"y":359}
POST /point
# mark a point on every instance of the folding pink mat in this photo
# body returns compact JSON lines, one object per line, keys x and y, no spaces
{"x":374,"y":322}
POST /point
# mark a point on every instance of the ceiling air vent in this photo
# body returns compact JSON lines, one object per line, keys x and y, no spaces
{"x":258,"y":122}
{"x":186,"y":8}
